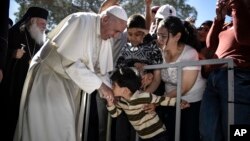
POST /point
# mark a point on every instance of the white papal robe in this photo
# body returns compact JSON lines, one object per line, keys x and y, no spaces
{"x":74,"y":58}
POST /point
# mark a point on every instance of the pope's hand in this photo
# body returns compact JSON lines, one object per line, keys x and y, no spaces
{"x":106,"y":92}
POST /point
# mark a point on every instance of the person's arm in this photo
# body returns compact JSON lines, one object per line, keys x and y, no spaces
{"x":76,"y":59}
{"x":113,"y":109}
{"x":107,"y":3}
{"x":162,"y":100}
{"x":148,"y":16}
{"x":155,"y":83}
{"x":188,"y":80}
{"x":241,"y":22}
{"x":212,"y":39}
{"x":189,"y":73}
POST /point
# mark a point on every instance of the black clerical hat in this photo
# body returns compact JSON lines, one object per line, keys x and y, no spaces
{"x":31,"y":12}
{"x":36,"y":12}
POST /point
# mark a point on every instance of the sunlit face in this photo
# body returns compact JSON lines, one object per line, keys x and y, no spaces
{"x":135,"y":36}
{"x":117,"y":90}
{"x":165,"y":39}
{"x":41,"y":24}
{"x":111,"y":27}
{"x":37,"y":30}
{"x":162,"y":36}
{"x":202,"y":32}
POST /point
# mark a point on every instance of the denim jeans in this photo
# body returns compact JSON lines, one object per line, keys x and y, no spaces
{"x":214,"y":106}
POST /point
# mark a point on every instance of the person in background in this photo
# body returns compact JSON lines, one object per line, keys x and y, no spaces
{"x":152,"y":25}
{"x":230,"y":42}
{"x":25,"y":39}
{"x":77,"y":56}
{"x":202,"y":36}
{"x":162,"y":13}
{"x":202,"y":49}
{"x":126,"y":84}
{"x":4,"y":14}
{"x":179,"y":43}
{"x":137,"y":54}
{"x":191,"y":20}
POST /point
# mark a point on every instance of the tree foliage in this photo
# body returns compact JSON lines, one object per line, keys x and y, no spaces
{"x":59,"y":9}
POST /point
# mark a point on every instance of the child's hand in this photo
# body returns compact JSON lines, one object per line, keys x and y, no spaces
{"x":110,"y":101}
{"x":146,"y":80}
{"x":149,"y":108}
{"x":184,"y":104}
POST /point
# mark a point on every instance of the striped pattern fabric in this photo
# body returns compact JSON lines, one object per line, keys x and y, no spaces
{"x":147,"y":125}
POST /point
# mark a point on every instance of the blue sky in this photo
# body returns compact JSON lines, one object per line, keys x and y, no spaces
{"x":13,"y":8}
{"x":205,"y":8}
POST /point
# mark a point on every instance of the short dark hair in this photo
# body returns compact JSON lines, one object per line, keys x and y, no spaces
{"x":207,"y":23}
{"x":136,"y":21}
{"x":127,"y":77}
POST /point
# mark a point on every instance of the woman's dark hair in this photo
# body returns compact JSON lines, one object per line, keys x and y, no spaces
{"x":127,"y":77}
{"x":207,"y":23}
{"x":188,"y":32}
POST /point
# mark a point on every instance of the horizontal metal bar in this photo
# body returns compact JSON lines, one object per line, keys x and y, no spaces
{"x":190,"y":63}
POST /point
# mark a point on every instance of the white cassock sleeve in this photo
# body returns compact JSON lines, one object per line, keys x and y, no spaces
{"x":77,"y":41}
{"x":83,"y":77}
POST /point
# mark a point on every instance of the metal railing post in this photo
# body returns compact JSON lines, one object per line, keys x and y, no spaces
{"x":178,"y":101}
{"x":108,"y":133}
{"x":86,"y":123}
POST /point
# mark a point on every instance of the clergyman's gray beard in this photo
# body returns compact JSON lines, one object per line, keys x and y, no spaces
{"x":36,"y":34}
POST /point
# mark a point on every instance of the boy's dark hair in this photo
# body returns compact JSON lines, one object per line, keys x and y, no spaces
{"x":136,"y":21}
{"x":127,"y":77}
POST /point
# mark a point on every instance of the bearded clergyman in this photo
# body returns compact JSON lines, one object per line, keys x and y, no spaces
{"x":25,"y":39}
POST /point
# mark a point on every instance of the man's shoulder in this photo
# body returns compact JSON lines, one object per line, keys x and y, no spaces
{"x":84,"y":14}
{"x":81,"y":17}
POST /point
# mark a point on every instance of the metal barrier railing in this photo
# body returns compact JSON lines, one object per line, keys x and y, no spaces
{"x":179,"y":66}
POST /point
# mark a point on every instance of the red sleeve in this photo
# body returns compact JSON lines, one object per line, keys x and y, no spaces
{"x":212,"y":39}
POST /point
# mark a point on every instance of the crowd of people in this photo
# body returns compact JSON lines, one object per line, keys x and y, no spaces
{"x":46,"y":77}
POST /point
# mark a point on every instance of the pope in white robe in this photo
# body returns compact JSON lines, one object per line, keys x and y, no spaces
{"x":77,"y":56}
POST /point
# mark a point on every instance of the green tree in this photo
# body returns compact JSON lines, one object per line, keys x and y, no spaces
{"x":183,"y":10}
{"x":59,"y":9}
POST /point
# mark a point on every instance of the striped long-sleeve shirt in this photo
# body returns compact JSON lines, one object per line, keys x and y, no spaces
{"x":147,"y":125}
